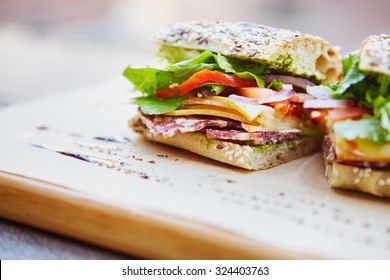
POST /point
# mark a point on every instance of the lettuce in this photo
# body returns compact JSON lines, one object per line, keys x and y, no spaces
{"x":177,"y":54}
{"x":149,"y":80}
{"x":368,"y":128}
{"x":150,"y":105}
{"x":371,"y":90}
{"x":351,"y":72}
{"x":276,"y":84}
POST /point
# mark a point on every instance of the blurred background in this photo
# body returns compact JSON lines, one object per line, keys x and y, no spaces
{"x":50,"y":45}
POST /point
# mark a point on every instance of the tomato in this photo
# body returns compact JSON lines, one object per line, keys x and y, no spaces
{"x":203,"y":77}
{"x":318,"y":116}
{"x":352,"y":144}
{"x":282,"y":108}
{"x":256,"y":92}
{"x":301,"y":97}
{"x":286,"y":108}
{"x":354,"y":113}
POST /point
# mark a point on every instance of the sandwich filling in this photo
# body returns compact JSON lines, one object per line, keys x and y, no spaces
{"x":359,"y":133}
{"x":223,"y":97}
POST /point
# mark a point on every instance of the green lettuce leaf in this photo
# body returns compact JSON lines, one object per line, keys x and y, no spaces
{"x":143,"y":79}
{"x":383,"y":115}
{"x":187,"y":63}
{"x":368,"y":128}
{"x":351,"y":72}
{"x":276,"y":84}
{"x":217,"y":89}
{"x":177,"y":54}
{"x":151,"y":105}
{"x":371,"y":90}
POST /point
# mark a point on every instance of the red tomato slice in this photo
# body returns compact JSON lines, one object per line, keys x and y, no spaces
{"x":204,"y":77}
{"x":301,"y":97}
{"x":286,"y":108}
{"x":256,"y":92}
{"x":282,"y":108}
{"x":318,"y":116}
{"x":354,"y":113}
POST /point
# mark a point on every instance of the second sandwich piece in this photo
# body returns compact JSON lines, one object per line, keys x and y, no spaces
{"x":357,"y":149}
{"x":233,"y":92}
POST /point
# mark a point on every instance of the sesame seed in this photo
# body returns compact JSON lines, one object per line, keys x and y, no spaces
{"x":357,"y":181}
{"x":240,"y":38}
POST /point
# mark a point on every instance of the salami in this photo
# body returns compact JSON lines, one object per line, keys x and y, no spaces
{"x":330,"y":156}
{"x":216,"y":128}
{"x":256,"y":138}
{"x":170,"y":126}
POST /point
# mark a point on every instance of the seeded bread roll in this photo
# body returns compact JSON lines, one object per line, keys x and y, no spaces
{"x":244,"y":156}
{"x":376,"y":182}
{"x":281,"y":49}
{"x":375,"y":54}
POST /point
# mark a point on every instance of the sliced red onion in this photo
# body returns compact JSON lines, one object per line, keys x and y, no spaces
{"x":243,"y":99}
{"x":320,"y":92}
{"x":295,"y":81}
{"x":329,"y":103}
{"x":301,"y":97}
{"x":281,"y":95}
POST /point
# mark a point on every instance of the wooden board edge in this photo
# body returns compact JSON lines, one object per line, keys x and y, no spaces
{"x":141,"y":233}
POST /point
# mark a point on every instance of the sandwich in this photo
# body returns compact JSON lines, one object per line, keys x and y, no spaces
{"x":357,"y":146}
{"x":233,"y":92}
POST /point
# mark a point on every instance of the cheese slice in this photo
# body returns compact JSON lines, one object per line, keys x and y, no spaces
{"x":253,"y":117}
{"x":361,"y":150}
{"x":252,"y":111}
{"x":249,"y":111}
{"x":208,"y":112}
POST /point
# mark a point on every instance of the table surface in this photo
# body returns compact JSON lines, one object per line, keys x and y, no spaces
{"x":20,"y":52}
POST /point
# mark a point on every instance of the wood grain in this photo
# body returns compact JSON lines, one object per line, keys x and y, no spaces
{"x":144,"y":234}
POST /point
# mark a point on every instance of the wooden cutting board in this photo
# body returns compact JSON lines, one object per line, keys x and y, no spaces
{"x":70,"y":165}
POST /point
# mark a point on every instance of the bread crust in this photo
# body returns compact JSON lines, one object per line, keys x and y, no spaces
{"x":376,"y":182}
{"x":375,"y":54}
{"x":281,"y":49}
{"x":251,"y":157}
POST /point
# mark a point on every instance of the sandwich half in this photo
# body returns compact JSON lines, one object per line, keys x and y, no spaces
{"x":357,"y":147}
{"x":233,"y":92}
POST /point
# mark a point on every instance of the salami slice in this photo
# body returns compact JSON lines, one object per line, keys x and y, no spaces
{"x":169,"y":126}
{"x":256,"y":138}
{"x":330,"y":156}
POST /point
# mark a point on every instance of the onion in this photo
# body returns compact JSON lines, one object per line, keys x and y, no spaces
{"x":301,"y":97}
{"x":295,"y":81}
{"x":278,"y":96}
{"x":256,"y":92}
{"x":243,"y":99}
{"x":329,"y":103}
{"x":320,"y":92}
